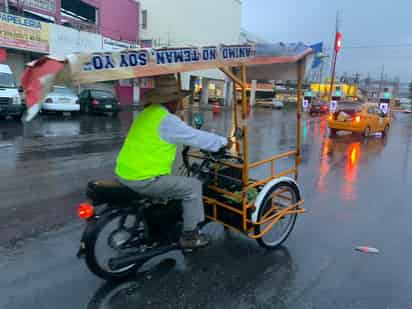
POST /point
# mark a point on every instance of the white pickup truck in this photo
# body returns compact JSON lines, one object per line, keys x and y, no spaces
{"x":10,"y":101}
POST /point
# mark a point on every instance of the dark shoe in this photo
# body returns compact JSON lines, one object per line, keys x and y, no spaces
{"x":193,"y":240}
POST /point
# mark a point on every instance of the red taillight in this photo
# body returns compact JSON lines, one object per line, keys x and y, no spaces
{"x":85,"y":211}
{"x":357,"y":119}
{"x":95,"y":102}
{"x":325,"y":107}
{"x":49,"y":100}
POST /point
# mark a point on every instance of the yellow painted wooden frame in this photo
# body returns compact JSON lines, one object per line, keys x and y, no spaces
{"x":248,"y":227}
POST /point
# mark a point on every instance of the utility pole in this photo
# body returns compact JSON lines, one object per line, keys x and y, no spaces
{"x":336,"y":48}
{"x":6,"y":6}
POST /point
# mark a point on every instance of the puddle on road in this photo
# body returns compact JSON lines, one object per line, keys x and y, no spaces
{"x":232,"y":271}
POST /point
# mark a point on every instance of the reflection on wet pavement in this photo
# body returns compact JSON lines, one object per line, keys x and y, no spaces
{"x":51,"y":125}
{"x":355,"y":189}
{"x":230,"y":274}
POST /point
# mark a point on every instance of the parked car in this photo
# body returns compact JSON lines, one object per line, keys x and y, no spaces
{"x":61,"y":99}
{"x":269,"y":103}
{"x":406,"y":107}
{"x":98,"y":101}
{"x":366,"y":119}
{"x":10,"y":100}
{"x":278,"y":104}
{"x":318,"y":107}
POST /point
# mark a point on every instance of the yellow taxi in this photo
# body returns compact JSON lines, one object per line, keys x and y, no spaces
{"x":364,"y":118}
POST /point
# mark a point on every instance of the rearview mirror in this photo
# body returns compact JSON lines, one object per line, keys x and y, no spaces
{"x":198,"y":118}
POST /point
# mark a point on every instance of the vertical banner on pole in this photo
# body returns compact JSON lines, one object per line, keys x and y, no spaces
{"x":305,"y":105}
{"x":384,"y":107}
{"x":338,"y":41}
{"x":333,"y":105}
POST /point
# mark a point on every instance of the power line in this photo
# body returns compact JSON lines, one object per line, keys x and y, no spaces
{"x":379,"y":46}
{"x":399,"y":45}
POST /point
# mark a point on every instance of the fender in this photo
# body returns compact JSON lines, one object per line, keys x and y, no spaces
{"x":90,"y":228}
{"x":265,"y":190}
{"x":87,"y":232}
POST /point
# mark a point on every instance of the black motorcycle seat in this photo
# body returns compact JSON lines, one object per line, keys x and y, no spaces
{"x":110,"y":191}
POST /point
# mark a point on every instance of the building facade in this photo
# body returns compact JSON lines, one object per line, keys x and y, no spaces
{"x":32,"y":28}
{"x":187,"y":22}
{"x":115,"y":19}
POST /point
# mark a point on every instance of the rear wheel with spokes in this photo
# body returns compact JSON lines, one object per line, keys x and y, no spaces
{"x":280,"y":197}
{"x":115,"y":236}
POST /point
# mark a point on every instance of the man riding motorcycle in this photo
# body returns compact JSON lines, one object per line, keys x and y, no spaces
{"x":146,"y":159}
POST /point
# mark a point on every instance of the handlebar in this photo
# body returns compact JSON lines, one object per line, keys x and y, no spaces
{"x":203,"y":168}
{"x":221,"y":154}
{"x":210,"y":157}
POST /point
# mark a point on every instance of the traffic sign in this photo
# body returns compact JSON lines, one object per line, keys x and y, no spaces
{"x":333,"y":105}
{"x":384,"y":107}
{"x":305,"y":104}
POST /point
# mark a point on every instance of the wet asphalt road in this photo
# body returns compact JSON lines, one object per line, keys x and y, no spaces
{"x":356,"y":193}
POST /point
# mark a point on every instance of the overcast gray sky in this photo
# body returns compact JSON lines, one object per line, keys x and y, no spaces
{"x":364,"y":23}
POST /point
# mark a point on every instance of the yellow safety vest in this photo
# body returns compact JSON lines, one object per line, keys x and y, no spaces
{"x":145,"y":154}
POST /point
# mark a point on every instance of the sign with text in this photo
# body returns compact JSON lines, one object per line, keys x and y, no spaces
{"x":333,"y":105}
{"x":23,"y":33}
{"x":172,"y":56}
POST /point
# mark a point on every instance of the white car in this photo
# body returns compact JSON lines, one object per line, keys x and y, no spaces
{"x":61,"y":99}
{"x":277,"y":104}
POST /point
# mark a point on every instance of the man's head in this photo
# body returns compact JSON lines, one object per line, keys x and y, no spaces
{"x":166,"y":92}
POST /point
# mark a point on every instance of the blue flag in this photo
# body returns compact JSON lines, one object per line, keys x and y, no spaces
{"x":317,"y":48}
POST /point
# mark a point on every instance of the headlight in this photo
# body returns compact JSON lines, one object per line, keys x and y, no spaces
{"x":16,"y":100}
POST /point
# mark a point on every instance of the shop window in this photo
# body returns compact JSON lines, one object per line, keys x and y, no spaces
{"x":144,"y":19}
{"x":79,"y":11}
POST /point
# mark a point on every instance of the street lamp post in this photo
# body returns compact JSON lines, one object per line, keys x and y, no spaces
{"x":338,"y":45}
{"x":336,"y":49}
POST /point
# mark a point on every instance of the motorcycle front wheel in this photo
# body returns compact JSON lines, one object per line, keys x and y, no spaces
{"x":114,"y":235}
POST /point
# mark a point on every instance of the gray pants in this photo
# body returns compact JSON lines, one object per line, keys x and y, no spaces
{"x":187,"y":189}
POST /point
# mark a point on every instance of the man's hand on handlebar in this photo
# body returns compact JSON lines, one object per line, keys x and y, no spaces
{"x":221,"y":153}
